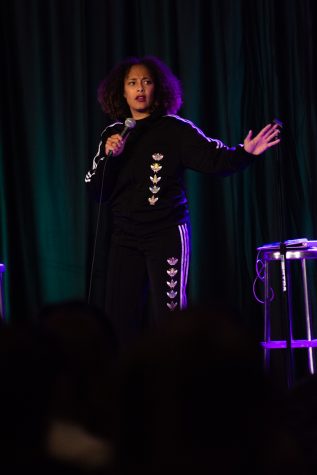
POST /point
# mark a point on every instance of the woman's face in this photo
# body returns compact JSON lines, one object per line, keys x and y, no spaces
{"x":139,"y":91}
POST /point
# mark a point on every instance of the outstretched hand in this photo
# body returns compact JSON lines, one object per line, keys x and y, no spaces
{"x":266,"y":138}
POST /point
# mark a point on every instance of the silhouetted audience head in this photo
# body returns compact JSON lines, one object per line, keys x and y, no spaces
{"x":27,"y":373}
{"x":300,"y":414}
{"x":83,"y":339}
{"x":56,"y":391}
{"x":193,"y":398}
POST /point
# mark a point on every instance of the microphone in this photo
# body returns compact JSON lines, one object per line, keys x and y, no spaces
{"x":128,"y":125}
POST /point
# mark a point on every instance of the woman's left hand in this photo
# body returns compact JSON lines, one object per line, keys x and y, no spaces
{"x":266,"y":138}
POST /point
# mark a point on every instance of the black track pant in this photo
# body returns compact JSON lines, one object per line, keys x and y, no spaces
{"x":156,"y":265}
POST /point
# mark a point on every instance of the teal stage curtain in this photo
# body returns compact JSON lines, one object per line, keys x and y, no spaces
{"x":241,"y":63}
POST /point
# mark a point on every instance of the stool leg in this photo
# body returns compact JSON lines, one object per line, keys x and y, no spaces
{"x":289,"y":303}
{"x":267,"y":320}
{"x":288,"y":318}
{"x":311,"y":365}
{"x":1,"y":297}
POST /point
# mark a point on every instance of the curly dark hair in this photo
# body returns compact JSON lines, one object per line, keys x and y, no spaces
{"x":167,"y":92}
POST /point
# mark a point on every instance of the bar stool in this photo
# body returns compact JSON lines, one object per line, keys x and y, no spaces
{"x":301,"y":252}
{"x":2,"y":270}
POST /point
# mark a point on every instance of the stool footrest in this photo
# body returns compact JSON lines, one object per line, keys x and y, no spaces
{"x":276,"y":344}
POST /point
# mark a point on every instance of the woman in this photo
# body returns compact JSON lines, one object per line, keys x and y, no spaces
{"x":141,"y":175}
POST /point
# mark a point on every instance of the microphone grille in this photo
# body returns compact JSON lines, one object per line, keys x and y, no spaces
{"x":130,"y":123}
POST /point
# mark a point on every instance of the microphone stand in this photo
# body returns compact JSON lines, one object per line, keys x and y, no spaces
{"x":285,"y":271}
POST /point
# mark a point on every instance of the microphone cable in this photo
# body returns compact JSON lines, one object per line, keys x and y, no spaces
{"x":128,"y":125}
{"x":96,"y":231}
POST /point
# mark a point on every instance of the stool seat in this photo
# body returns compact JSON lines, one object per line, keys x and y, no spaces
{"x":307,"y":253}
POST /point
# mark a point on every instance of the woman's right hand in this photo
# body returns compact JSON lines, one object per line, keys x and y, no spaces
{"x":114,"y":144}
